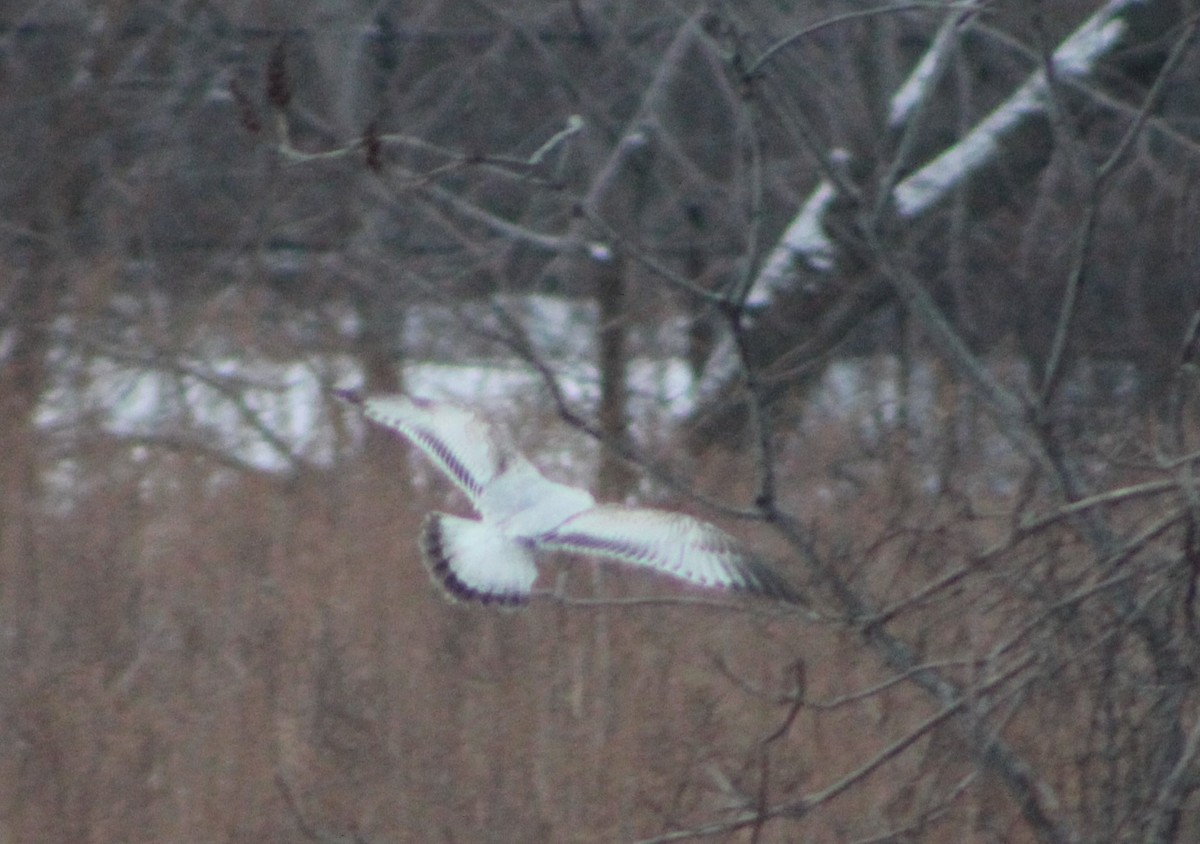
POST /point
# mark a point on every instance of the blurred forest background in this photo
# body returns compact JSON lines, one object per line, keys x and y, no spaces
{"x":904,"y":294}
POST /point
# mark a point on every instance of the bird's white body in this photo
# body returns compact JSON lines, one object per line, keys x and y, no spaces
{"x":525,"y":503}
{"x":492,"y":559}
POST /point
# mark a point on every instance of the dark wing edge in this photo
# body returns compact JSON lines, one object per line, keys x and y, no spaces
{"x":746,"y":571}
{"x":470,"y":462}
{"x":759,"y":578}
{"x":436,"y":557}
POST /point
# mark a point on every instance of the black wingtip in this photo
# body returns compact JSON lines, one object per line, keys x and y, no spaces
{"x":349,"y":396}
{"x":765,"y":581}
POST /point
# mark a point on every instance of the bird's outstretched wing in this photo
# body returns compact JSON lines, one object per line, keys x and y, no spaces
{"x":492,"y":559}
{"x":460,"y":443}
{"x":673,"y":543}
{"x":473,"y":561}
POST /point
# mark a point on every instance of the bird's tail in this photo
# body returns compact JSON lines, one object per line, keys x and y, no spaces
{"x":473,"y":561}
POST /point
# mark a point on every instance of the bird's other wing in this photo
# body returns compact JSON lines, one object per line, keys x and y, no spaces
{"x":673,"y":543}
{"x":460,"y":443}
{"x":473,"y":561}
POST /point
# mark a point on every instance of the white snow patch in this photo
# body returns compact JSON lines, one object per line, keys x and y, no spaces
{"x":261,"y":413}
{"x":559,"y":328}
{"x":905,"y":100}
{"x":804,"y":238}
{"x":1074,"y":57}
{"x":270,"y":415}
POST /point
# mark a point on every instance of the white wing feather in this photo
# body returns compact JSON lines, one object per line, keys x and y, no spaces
{"x":672,"y":543}
{"x":460,"y":443}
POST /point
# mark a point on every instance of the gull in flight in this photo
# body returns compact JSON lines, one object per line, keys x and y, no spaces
{"x":522,"y":513}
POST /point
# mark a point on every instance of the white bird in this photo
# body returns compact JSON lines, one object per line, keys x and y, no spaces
{"x":491,"y":559}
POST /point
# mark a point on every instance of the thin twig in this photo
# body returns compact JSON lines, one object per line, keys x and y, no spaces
{"x":837,"y":20}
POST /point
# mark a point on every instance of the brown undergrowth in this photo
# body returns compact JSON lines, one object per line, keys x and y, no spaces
{"x":230,"y":657}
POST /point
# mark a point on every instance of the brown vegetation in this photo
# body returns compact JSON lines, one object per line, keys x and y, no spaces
{"x":968,"y":438}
